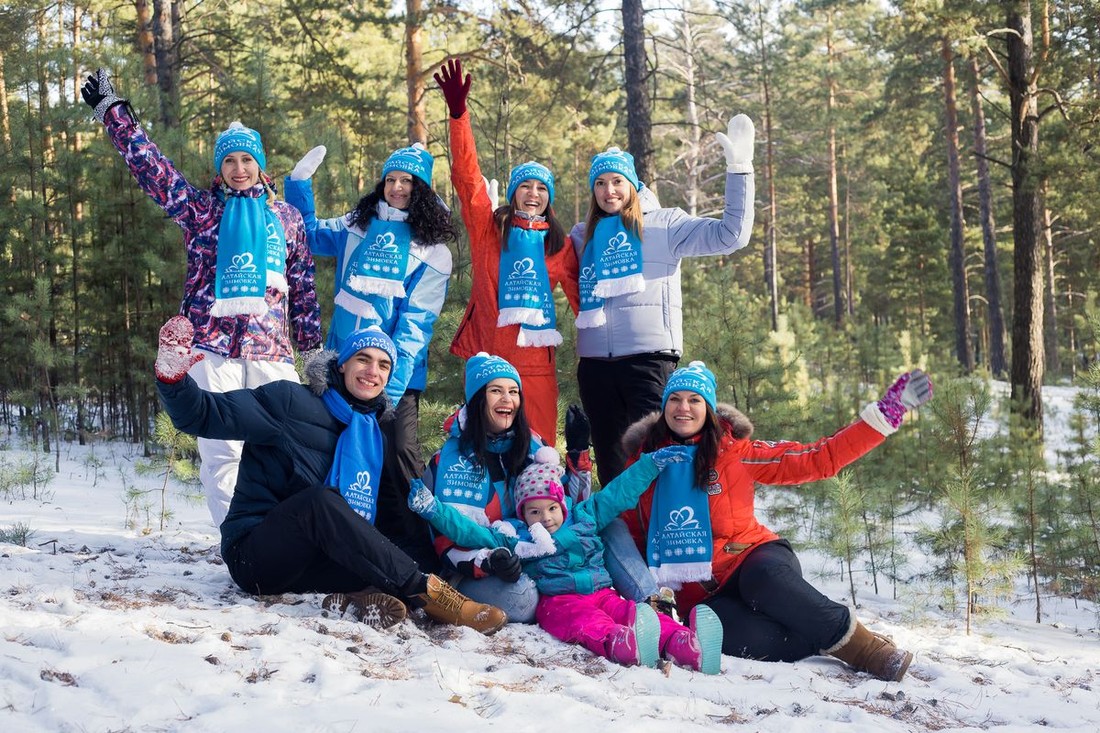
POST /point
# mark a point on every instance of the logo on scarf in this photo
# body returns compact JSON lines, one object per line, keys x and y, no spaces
{"x":276,"y":252}
{"x":618,"y":258}
{"x":360,"y":495}
{"x":522,"y":284}
{"x":683,"y":535}
{"x":239,"y":275}
{"x":465,"y":482}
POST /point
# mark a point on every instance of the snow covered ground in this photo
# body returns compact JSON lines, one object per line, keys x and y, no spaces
{"x":108,"y":628}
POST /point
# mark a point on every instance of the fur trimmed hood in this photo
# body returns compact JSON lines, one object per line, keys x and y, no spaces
{"x":317,"y":370}
{"x":735,"y":422}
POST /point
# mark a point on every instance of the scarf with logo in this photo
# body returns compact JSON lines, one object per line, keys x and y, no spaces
{"x":679,"y":543}
{"x":523,"y":284}
{"x":357,"y":466}
{"x":378,"y":264}
{"x":251,"y":254}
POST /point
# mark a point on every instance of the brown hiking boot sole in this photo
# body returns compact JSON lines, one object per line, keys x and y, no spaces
{"x":373,"y":608}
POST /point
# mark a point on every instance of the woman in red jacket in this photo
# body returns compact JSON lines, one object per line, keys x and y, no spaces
{"x":698,"y":530}
{"x":519,"y":253}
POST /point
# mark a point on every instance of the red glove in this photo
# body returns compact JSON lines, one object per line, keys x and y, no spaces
{"x":455,"y":89}
{"x":174,"y":357}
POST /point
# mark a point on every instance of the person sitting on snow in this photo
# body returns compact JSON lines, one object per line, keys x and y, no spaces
{"x":319,"y":505}
{"x":576,"y":601}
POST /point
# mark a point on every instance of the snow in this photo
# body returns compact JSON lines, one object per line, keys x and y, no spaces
{"x":104,"y":627}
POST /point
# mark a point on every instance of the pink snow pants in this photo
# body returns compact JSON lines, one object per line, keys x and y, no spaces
{"x":590,"y":620}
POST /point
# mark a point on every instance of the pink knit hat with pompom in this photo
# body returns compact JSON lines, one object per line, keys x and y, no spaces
{"x":541,"y":480}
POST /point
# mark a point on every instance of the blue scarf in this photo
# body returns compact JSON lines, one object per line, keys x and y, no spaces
{"x":251,"y":255}
{"x":466,"y":485}
{"x":523,"y":286}
{"x":679,"y":544}
{"x":357,"y":466}
{"x":378,"y":264}
{"x":618,"y":258}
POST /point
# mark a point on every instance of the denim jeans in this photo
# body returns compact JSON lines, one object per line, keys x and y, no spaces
{"x":519,"y":600}
{"x":628,"y":571}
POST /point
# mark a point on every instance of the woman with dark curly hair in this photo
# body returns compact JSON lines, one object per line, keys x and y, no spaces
{"x":392,"y":265}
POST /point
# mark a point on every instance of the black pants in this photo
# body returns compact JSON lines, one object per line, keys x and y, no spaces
{"x":770,"y":612}
{"x":616,"y":394}
{"x":314,"y":542}
{"x":407,"y":423}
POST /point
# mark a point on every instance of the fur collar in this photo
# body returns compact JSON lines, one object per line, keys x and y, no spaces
{"x":735,"y":422}
{"x":317,"y":369}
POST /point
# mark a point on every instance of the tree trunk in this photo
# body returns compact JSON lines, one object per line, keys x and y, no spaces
{"x":417,"y":126}
{"x":989,"y":232}
{"x":834,"y":197}
{"x":691,"y":112}
{"x":1027,"y":318}
{"x":144,"y":40}
{"x":638,"y":127}
{"x":1050,"y":322}
{"x":166,"y":34}
{"x":771,"y":279}
{"x":957,"y":258}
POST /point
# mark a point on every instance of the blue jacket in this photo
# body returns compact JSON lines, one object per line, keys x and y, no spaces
{"x":577,"y":565}
{"x":290,"y":440}
{"x":409,"y":321}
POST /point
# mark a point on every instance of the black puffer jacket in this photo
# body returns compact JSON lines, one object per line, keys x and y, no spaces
{"x":290,"y":440}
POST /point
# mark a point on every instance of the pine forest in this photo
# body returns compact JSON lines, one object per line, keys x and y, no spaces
{"x":926,"y":181}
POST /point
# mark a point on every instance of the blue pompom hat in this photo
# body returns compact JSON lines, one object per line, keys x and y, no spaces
{"x":239,"y":139}
{"x":614,"y":160}
{"x":482,"y":368}
{"x":415,"y":160}
{"x":371,"y":337}
{"x":528,"y":171}
{"x":695,"y":377}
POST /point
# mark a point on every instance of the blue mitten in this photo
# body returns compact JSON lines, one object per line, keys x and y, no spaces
{"x":662,"y":457}
{"x":422,"y":501}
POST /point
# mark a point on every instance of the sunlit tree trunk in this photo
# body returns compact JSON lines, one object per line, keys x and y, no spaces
{"x":989,"y":233}
{"x":1027,"y":320}
{"x":414,"y":78}
{"x":638,"y":128}
{"x":957,"y":259}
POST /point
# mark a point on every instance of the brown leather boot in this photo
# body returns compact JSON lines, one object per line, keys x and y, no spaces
{"x":446,"y":605}
{"x":370,"y":606}
{"x":869,"y":652}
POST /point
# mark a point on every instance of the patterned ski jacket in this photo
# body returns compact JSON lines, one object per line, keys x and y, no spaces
{"x":199,"y":213}
{"x":409,"y":321}
{"x":478,"y":329}
{"x":742,"y":464}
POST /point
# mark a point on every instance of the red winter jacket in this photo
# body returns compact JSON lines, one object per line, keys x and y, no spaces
{"x":478,"y":330}
{"x":742,"y":463}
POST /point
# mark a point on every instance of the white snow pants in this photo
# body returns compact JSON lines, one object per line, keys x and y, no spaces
{"x":220,"y":458}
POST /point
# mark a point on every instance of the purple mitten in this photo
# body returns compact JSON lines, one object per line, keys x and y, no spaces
{"x":174,"y":355}
{"x":909,"y":392}
{"x":455,"y":89}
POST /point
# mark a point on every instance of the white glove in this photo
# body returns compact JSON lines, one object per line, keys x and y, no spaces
{"x":308,"y":165}
{"x":541,"y":543}
{"x":738,"y":144}
{"x":492,"y":187}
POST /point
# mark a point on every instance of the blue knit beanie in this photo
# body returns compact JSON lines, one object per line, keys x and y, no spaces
{"x":482,"y":368}
{"x":239,"y":139}
{"x":613,"y":160}
{"x":371,"y":337}
{"x":695,"y":377}
{"x":415,"y":160}
{"x":528,"y":171}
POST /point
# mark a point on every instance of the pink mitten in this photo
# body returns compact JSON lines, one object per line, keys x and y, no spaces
{"x":174,"y":356}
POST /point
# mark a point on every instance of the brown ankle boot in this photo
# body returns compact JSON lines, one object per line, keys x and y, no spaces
{"x":370,"y":606}
{"x":446,"y":605}
{"x":869,"y":652}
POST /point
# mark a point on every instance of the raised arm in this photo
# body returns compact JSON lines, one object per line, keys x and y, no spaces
{"x":155,"y":174}
{"x":695,"y":236}
{"x":625,"y":490}
{"x":326,"y":237}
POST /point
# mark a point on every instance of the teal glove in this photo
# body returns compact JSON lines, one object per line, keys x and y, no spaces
{"x":663,"y":457}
